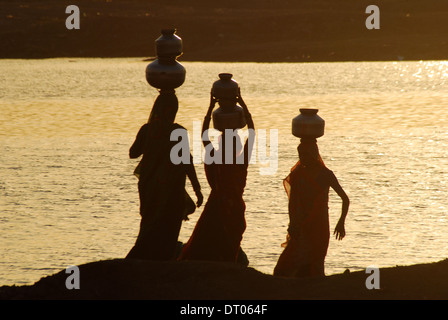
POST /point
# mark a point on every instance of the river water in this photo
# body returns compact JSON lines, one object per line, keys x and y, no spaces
{"x":68,"y":195}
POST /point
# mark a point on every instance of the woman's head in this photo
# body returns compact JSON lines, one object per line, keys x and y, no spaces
{"x":165,"y":108}
{"x":309,"y":153}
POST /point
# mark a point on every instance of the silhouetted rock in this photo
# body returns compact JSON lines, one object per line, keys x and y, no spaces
{"x":250,"y":30}
{"x":190,"y":280}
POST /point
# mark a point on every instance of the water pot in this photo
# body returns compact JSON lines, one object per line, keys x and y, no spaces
{"x":225,"y":87}
{"x":229,"y":117}
{"x":169,"y":45}
{"x":165,"y":74}
{"x":308,"y":124}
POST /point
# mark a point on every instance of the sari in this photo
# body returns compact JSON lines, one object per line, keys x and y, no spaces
{"x":308,"y":233}
{"x":218,"y":233}
{"x":161,"y":185}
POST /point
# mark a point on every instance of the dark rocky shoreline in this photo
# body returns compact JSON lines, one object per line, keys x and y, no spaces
{"x":250,"y":30}
{"x":120,"y":279}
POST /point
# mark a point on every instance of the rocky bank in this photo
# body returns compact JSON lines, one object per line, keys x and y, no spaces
{"x":231,"y":30}
{"x":120,"y":279}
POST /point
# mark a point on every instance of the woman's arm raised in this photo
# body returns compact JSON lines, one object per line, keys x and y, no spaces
{"x":206,"y":123}
{"x":248,"y":146}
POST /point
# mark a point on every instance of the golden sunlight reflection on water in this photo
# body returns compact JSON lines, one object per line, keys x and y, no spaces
{"x":68,"y":195}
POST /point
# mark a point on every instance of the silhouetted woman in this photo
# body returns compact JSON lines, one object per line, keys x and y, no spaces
{"x":308,"y":237}
{"x":219,"y":230}
{"x":163,"y":199}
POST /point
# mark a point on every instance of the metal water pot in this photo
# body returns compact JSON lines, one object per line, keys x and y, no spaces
{"x":225,"y":87}
{"x":229,"y":115}
{"x":165,"y":74}
{"x":169,"y":45}
{"x":229,"y":118}
{"x":308,"y":124}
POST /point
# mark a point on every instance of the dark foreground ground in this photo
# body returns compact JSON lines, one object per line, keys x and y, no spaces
{"x":125,"y":279}
{"x":231,"y":30}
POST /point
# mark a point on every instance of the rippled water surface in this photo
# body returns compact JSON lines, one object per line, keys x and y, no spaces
{"x":68,"y":196}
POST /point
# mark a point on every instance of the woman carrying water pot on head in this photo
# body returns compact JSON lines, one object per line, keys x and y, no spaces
{"x":307,"y":187}
{"x":219,"y":230}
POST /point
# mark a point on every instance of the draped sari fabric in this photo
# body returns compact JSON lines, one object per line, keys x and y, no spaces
{"x":161,"y":188}
{"x":308,"y":232}
{"x":218,"y":233}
